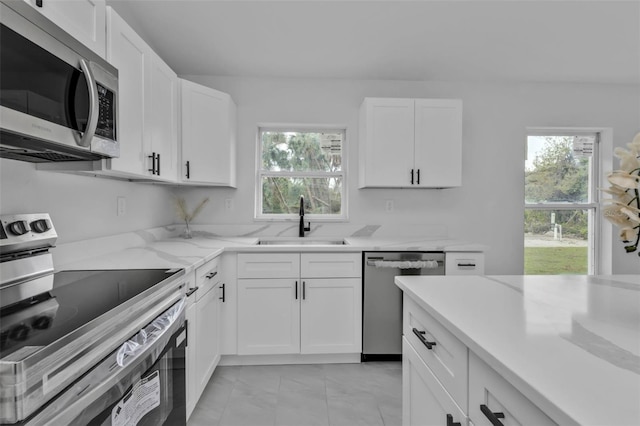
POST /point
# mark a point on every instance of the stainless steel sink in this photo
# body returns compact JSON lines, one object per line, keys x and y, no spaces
{"x":300,"y":241}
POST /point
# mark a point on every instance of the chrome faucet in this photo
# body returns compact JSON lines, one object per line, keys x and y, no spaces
{"x":303,"y":228}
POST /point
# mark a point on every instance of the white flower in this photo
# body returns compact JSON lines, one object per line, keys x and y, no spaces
{"x":629,"y":160}
{"x":628,"y":234}
{"x":623,"y":179}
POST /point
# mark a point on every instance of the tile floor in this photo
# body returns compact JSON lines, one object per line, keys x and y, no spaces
{"x":303,"y":395}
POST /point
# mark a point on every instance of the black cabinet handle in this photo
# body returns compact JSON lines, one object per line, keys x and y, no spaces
{"x":222,"y":298}
{"x":188,"y":171}
{"x":158,"y":157}
{"x":493,"y":417}
{"x":153,"y":163}
{"x":424,"y":341}
{"x":191,"y":291}
{"x":411,"y":176}
{"x":304,"y":292}
{"x":39,"y":3}
{"x":296,"y":290}
{"x":211,"y":275}
{"x":466,"y":265}
{"x":418,"y":181}
{"x":450,"y":421}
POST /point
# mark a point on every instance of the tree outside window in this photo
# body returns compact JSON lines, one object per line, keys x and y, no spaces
{"x":301,"y":163}
{"x":559,"y":204}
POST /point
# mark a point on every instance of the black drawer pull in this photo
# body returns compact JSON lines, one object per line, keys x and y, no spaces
{"x":467,"y":265}
{"x":222,"y":298}
{"x":188,"y":170}
{"x":418,"y":180}
{"x":450,"y":421}
{"x":296,"y":290}
{"x":211,"y":275}
{"x":493,"y":417}
{"x":191,"y":291}
{"x":424,"y":341}
{"x":411,"y":176}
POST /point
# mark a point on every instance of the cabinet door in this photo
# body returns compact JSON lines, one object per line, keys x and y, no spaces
{"x":208,"y":352}
{"x":386,"y":142}
{"x":161,"y":122}
{"x":424,"y":400}
{"x":208,"y":135}
{"x":129,"y":54}
{"x":331,"y":315}
{"x":83,"y":19}
{"x":438,"y":142}
{"x":192,"y":346}
{"x":490,"y":390}
{"x":268,"y":316}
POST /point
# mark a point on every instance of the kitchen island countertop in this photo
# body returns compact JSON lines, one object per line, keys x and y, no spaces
{"x":570,"y":344}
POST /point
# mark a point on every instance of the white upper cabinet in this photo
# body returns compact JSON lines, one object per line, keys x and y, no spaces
{"x":147,"y":107}
{"x":129,"y":54}
{"x":83,"y":19}
{"x":410,"y":143}
{"x":208,"y":120}
{"x":161,"y":123}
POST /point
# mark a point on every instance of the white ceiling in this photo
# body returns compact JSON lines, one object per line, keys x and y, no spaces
{"x":540,"y":41}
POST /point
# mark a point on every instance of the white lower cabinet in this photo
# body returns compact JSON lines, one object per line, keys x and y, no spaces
{"x":424,"y":400}
{"x":297,"y":314}
{"x":204,"y":329}
{"x":492,"y":398}
{"x":268,"y":316}
{"x":444,"y":383}
{"x":330,"y":309}
{"x":464,"y":263}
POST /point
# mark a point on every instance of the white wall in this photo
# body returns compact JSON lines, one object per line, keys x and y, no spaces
{"x":488,"y":208}
{"x":82,"y":207}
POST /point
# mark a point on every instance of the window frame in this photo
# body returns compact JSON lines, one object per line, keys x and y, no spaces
{"x":260,"y":173}
{"x":596,"y":261}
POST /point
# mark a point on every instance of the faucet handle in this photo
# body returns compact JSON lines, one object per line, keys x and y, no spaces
{"x":308,"y":227}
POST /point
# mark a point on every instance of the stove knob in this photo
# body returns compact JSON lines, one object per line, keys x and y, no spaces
{"x":40,"y":225}
{"x":19,"y":332}
{"x":42,"y":323}
{"x":19,"y":227}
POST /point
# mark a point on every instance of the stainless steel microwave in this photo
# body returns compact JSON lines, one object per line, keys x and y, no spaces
{"x":58,"y":99}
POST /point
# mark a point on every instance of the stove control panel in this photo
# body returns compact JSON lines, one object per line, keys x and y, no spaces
{"x":23,"y":232}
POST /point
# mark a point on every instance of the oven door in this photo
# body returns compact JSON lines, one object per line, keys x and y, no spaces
{"x":142,"y":383}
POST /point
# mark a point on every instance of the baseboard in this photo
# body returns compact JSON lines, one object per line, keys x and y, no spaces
{"x":290,"y":359}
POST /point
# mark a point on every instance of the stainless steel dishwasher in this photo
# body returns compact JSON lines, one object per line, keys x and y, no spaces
{"x":382,"y":299}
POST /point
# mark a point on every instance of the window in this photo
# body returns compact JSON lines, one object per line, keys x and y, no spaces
{"x":296,"y":163}
{"x":561,"y":208}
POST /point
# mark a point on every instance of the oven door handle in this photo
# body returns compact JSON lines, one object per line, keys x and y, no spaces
{"x":147,"y":337}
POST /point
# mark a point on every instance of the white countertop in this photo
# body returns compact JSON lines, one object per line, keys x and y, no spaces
{"x":571,"y":344}
{"x":130,"y":251}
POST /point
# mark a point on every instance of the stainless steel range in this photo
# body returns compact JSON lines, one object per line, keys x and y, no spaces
{"x":80,"y":347}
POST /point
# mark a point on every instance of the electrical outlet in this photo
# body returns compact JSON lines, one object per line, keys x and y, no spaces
{"x":388,"y":206}
{"x":228,"y":204}
{"x":122,"y":206}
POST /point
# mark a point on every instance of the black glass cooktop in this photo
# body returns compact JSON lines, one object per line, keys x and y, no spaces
{"x":77,"y":298}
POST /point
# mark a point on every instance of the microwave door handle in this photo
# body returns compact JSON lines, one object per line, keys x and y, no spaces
{"x":92,"y":122}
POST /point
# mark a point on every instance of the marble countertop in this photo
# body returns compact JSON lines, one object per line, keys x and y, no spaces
{"x":142,"y":250}
{"x":571,"y":344}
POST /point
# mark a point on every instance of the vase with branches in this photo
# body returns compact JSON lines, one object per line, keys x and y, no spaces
{"x":183,"y":213}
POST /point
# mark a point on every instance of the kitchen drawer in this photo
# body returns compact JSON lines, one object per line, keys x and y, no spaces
{"x":207,"y":276}
{"x":268,"y":265}
{"x":488,"y":388}
{"x":424,"y":400}
{"x":447,"y":358}
{"x":471,"y":263}
{"x":331,"y":265}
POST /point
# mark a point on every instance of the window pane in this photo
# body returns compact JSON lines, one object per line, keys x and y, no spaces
{"x":556,"y":241}
{"x":557,"y":169}
{"x":302,"y":151}
{"x":281,"y":195}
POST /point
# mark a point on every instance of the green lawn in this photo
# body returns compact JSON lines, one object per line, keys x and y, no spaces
{"x":555,"y":260}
